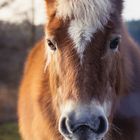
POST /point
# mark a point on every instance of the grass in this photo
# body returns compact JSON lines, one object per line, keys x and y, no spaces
{"x":9,"y":131}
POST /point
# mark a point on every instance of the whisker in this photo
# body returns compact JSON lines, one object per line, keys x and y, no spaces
{"x":116,"y":129}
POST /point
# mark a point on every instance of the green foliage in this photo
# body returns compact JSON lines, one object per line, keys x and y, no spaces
{"x":134,"y":29}
{"x":9,"y":131}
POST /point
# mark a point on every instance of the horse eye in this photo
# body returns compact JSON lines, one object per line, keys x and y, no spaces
{"x":114,"y":43}
{"x":51,"y":45}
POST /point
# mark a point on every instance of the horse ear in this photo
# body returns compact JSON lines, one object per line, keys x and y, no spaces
{"x":49,"y":2}
{"x":119,"y":6}
{"x":50,"y":5}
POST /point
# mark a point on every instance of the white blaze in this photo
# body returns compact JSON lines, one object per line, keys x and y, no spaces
{"x":88,"y":17}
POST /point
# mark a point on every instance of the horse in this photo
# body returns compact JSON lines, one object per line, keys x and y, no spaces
{"x":79,"y":80}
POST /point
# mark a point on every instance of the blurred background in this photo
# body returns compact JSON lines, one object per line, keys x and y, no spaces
{"x":21,"y":26}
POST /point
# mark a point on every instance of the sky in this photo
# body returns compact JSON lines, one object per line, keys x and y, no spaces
{"x":131,"y":9}
{"x":19,"y":10}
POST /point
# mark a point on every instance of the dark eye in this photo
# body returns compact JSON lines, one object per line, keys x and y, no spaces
{"x":114,"y":43}
{"x":51,"y":45}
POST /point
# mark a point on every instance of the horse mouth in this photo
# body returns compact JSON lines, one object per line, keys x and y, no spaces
{"x":84,"y":133}
{"x":83,"y":138}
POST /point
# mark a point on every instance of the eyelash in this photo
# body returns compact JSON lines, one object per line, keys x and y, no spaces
{"x":51,"y":45}
{"x":114,"y":43}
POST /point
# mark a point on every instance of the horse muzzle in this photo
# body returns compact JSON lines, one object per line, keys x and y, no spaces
{"x":84,"y":124}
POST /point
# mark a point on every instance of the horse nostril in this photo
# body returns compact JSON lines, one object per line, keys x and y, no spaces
{"x":100,"y":125}
{"x":64,"y":127}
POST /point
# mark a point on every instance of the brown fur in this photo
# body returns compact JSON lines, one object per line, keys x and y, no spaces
{"x":39,"y":102}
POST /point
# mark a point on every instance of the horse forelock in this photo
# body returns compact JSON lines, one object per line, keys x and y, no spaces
{"x":86,"y":18}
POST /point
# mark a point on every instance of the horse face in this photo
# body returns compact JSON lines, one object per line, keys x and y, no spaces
{"x":84,"y":64}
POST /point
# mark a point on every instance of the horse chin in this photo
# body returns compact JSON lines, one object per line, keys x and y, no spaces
{"x":85,"y":138}
{"x":85,"y":135}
